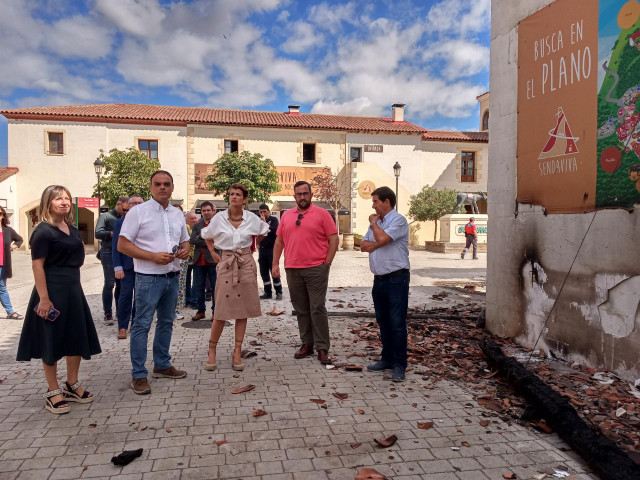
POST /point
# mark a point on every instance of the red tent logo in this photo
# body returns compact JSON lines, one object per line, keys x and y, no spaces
{"x":561,"y":141}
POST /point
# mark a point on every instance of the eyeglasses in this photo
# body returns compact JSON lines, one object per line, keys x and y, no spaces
{"x":300,"y":217}
{"x":125,"y":209}
{"x":303,"y":194}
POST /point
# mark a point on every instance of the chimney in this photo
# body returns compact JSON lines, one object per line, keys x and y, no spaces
{"x":294,"y":109}
{"x":397,"y":110}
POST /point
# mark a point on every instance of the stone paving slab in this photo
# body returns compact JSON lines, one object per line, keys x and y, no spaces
{"x":195,"y":428}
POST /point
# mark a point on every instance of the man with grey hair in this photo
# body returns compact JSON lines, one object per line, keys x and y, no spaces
{"x":104,"y":233}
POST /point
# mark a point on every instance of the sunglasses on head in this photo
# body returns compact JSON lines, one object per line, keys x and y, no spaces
{"x":300,"y":217}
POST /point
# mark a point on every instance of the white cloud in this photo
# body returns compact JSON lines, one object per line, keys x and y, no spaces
{"x":464,"y":17}
{"x":462,"y":58}
{"x":301,"y":38}
{"x":79,"y":37}
{"x":357,"y":106}
{"x":136,"y":17}
{"x":330,"y":17}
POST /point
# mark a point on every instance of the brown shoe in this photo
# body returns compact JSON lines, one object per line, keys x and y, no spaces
{"x":140,"y":386}
{"x":122,"y":334}
{"x":171,"y":372}
{"x":324,"y":357}
{"x":198,"y":316}
{"x":305,"y":351}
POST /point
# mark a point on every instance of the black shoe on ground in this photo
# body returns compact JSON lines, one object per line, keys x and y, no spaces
{"x":379,"y":366}
{"x":264,"y":297}
{"x":398,"y":374}
{"x":278,"y":296}
{"x":462,"y":255}
{"x":108,"y":319}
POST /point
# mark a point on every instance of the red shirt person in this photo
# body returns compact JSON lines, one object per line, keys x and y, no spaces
{"x":471,"y":235}
{"x":309,"y":238}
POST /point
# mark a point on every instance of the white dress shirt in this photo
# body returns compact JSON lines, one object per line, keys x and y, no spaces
{"x":226,"y":237}
{"x":154,"y":228}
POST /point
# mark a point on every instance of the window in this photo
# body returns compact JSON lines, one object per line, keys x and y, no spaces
{"x":149,"y":148}
{"x":356,"y":154}
{"x":309,"y":152}
{"x":485,"y":121}
{"x":55,"y":143}
{"x":468,"y":167}
{"x":230,"y":146}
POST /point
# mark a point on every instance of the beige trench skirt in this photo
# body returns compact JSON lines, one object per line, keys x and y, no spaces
{"x":237,"y":286}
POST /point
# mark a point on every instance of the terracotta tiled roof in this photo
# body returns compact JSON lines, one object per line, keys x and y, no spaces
{"x":482,"y":94}
{"x":157,"y":114}
{"x":6,"y":172}
{"x":448,"y":136}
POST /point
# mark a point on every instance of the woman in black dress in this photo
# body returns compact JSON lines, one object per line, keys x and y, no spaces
{"x":58,"y":322}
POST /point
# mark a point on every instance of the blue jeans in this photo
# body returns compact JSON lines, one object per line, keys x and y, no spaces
{"x":191,"y":297}
{"x":200,"y":273}
{"x":391,"y":300}
{"x":153,"y":294}
{"x":4,"y":295}
{"x":109,"y":281}
{"x":125,"y":300}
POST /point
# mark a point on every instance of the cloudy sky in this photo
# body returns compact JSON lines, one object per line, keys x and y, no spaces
{"x":347,"y":57}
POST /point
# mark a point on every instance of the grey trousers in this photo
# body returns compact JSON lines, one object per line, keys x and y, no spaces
{"x":308,"y":291}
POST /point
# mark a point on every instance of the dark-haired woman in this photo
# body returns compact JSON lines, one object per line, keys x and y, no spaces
{"x":236,"y":291}
{"x":58,"y":321}
{"x":9,"y":239}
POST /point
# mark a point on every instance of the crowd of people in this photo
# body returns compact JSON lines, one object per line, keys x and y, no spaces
{"x":150,"y":249}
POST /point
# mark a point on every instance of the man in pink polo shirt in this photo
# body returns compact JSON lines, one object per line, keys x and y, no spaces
{"x":309,"y":238}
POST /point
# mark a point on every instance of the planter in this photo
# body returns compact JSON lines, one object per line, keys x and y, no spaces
{"x":347,"y":241}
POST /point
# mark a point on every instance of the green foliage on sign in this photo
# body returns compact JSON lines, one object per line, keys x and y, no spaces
{"x":125,"y":172}
{"x":252,"y":170}
{"x":431,"y":204}
{"x":615,"y":189}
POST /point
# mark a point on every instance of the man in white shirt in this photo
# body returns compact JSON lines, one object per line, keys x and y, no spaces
{"x":155,"y":235}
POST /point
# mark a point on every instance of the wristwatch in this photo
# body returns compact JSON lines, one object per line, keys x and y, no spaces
{"x":328,"y":263}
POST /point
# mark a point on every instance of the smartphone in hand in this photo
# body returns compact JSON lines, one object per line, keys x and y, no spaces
{"x":53,"y":313}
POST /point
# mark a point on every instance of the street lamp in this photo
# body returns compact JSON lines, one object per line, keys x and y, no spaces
{"x":396,"y":172}
{"x":97,"y":166}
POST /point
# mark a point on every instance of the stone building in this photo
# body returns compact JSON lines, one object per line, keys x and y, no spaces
{"x":60,"y":144}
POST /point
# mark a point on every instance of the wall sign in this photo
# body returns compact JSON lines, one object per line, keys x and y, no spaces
{"x":87,"y":202}
{"x":373,"y":148}
{"x":365,"y":188}
{"x":578,"y":125}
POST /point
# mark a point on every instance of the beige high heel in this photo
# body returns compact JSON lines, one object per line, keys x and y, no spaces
{"x":210,"y":367}
{"x":238,"y":367}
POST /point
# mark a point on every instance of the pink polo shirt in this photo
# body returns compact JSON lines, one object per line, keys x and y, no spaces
{"x":306,"y":245}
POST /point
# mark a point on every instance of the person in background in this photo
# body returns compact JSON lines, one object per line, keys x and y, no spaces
{"x":182,"y":280}
{"x":236,"y":291}
{"x":104,"y":233}
{"x":309,"y":238}
{"x":265,"y":254}
{"x":125,"y":274}
{"x":155,"y":235}
{"x":387,"y":243}
{"x":471,"y":235}
{"x":58,"y":322}
{"x":204,"y":265}
{"x":10,"y":240}
{"x":191,"y":299}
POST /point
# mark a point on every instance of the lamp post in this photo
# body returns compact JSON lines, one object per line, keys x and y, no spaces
{"x":98,"y":165}
{"x":396,"y":172}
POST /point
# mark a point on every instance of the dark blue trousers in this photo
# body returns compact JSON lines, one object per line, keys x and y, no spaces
{"x":200,"y":274}
{"x":391,"y":299}
{"x":125,"y":301}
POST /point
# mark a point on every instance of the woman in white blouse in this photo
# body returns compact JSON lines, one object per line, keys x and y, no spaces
{"x":236,"y":291}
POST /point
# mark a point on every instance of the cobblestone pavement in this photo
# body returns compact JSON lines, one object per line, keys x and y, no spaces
{"x":196,"y":428}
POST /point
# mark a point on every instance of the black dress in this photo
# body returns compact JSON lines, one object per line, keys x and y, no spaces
{"x":73,"y":332}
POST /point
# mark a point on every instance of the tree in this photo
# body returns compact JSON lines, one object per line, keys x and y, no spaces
{"x":333,"y":189}
{"x":125,"y":172}
{"x":431,"y":204}
{"x":252,"y":170}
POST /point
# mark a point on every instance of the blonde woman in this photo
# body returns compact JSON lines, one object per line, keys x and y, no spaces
{"x":58,"y":322}
{"x":236,"y":291}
